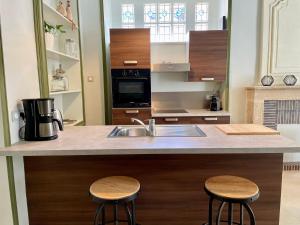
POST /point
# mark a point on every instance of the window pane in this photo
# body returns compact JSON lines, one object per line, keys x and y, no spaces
{"x":179,"y":14}
{"x":201,"y":26}
{"x":153,"y":30}
{"x":165,"y":13}
{"x":179,"y":32}
{"x":128,"y":13}
{"x":201,"y":12}
{"x":150,"y":13}
{"x":164,"y":32}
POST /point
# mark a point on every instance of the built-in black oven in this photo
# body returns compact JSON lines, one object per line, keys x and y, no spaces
{"x":131,"y":88}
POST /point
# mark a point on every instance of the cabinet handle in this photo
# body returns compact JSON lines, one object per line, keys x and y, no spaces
{"x":171,"y":119}
{"x":130,"y":62}
{"x":132,"y":111}
{"x":211,"y":118}
{"x":207,"y":78}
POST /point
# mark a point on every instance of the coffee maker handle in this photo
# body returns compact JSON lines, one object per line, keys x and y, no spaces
{"x":60,"y":125}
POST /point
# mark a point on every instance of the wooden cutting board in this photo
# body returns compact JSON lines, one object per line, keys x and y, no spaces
{"x":246,"y":129}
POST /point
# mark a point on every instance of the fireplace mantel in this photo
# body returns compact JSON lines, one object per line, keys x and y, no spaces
{"x":258,"y":95}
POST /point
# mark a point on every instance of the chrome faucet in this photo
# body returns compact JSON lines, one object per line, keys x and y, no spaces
{"x":150,"y":130}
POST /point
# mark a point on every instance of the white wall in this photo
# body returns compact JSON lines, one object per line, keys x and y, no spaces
{"x":92,"y":62}
{"x":244,"y":54}
{"x":21,"y":76}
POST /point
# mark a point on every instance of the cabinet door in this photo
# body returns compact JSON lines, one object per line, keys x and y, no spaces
{"x":123,"y":116}
{"x":193,"y":120}
{"x":130,"y":48}
{"x":208,"y":55}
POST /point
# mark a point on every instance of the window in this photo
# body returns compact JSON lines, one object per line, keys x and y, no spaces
{"x":150,"y":19}
{"x":179,"y":21}
{"x":167,"y":21}
{"x":201,"y":16}
{"x":128,"y":18}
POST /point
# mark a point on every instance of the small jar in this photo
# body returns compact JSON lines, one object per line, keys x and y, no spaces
{"x":59,"y":83}
{"x":71,"y":47}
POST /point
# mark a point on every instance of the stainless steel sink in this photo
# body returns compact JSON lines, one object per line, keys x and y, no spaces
{"x":161,"y":131}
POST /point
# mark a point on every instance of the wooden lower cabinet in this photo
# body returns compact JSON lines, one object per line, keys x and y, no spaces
{"x":171,"y":186}
{"x":193,"y":120}
{"x":123,"y":116}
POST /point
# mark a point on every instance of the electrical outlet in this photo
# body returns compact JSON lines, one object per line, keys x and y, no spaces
{"x":15,"y":116}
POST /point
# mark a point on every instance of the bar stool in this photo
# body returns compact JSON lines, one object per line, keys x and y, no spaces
{"x":115,"y":191}
{"x":231,"y":190}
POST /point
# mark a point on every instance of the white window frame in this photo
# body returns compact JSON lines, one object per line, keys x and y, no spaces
{"x":160,"y":26}
{"x":201,"y":24}
{"x":128,"y":24}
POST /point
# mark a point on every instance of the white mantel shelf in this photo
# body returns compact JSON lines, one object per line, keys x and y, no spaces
{"x":282,"y":87}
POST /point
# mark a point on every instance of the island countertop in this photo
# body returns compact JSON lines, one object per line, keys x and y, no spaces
{"x":93,"y":140}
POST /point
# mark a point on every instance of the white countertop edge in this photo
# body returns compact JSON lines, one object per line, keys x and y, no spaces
{"x":191,"y":151}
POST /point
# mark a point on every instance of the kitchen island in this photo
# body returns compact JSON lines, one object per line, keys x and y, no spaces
{"x":171,"y":170}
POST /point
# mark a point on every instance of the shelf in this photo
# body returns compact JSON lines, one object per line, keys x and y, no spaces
{"x":53,"y":54}
{"x":74,"y":123}
{"x":65,"y":92}
{"x":171,"y":67}
{"x":55,"y":18}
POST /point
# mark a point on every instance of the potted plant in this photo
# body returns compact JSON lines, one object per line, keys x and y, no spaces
{"x":50,"y":32}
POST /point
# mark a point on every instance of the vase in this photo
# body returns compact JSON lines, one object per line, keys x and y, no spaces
{"x":290,"y":80}
{"x":49,"y":40}
{"x":267,"y":80}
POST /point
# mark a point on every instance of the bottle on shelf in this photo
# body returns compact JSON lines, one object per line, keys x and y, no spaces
{"x":59,"y":82}
{"x":61,"y":9}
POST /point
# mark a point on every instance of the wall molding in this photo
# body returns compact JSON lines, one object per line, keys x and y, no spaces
{"x":272,"y":37}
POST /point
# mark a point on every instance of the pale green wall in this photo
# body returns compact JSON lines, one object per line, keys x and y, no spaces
{"x":5,"y":204}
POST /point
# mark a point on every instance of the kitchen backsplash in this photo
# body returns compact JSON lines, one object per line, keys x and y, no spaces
{"x":175,"y":100}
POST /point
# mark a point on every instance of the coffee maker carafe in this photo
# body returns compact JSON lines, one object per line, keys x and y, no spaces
{"x":41,"y":119}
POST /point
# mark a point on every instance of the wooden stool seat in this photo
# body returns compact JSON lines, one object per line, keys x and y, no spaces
{"x":114,"y":188}
{"x":232,"y":187}
{"x":230,"y":190}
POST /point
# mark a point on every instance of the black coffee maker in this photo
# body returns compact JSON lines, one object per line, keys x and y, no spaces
{"x":42,"y":121}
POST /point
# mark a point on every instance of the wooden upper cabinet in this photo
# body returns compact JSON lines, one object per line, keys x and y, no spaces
{"x":208,"y":55}
{"x":130,"y":48}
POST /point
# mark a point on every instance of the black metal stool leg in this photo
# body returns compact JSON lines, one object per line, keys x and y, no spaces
{"x":220,"y":210}
{"x":241,"y":214}
{"x":251,"y":214}
{"x":98,"y":213}
{"x":230,"y":213}
{"x":116,"y":219}
{"x":133,"y":212}
{"x":129,"y":217}
{"x":103,"y":216}
{"x":210,"y":211}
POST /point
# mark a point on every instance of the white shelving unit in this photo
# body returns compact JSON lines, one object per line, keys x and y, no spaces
{"x":69,"y":102}
{"x":65,"y":92}
{"x":60,"y":56}
{"x":50,"y":14}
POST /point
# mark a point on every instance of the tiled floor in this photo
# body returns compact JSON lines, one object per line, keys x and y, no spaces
{"x":290,"y":198}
